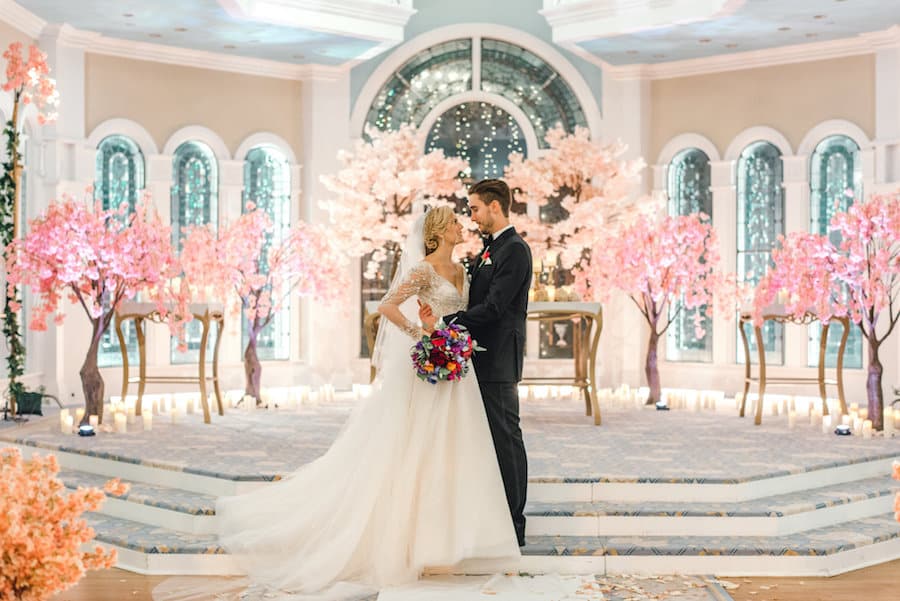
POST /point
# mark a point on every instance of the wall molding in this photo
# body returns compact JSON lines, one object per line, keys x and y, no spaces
{"x":758,"y":133}
{"x":21,"y":18}
{"x":268,"y":139}
{"x":833,"y":127}
{"x":201,"y":134}
{"x":685,"y":141}
{"x":124,"y":127}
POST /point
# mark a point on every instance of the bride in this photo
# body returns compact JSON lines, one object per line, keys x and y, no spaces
{"x":411,"y":481}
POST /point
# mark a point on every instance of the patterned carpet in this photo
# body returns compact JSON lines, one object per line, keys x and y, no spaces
{"x":563,"y":445}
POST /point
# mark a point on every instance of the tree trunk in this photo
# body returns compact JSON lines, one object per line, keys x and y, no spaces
{"x":91,"y":380}
{"x":252,"y":366}
{"x":651,"y":368}
{"x":873,"y":385}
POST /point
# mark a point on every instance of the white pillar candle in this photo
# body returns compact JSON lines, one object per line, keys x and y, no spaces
{"x":867,"y":428}
{"x":94,"y":420}
{"x":863,"y":413}
{"x":792,"y":420}
{"x":775,"y":408}
{"x":67,"y":424}
{"x":846,"y":420}
{"x":148,"y":420}
{"x":857,"y":426}
{"x":121,"y":421}
{"x":175,"y":414}
{"x":854,"y":407}
{"x":888,"y":421}
{"x":131,"y":415}
{"x":826,"y":424}
{"x":79,"y":415}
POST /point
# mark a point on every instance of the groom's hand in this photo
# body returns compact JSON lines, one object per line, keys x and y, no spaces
{"x":427,"y":317}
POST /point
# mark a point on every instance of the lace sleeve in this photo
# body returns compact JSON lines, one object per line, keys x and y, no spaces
{"x":414,"y":282}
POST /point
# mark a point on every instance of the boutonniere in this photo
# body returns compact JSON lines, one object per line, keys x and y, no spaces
{"x":485,"y":257}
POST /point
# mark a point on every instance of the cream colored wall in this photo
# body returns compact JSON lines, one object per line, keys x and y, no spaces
{"x":9,"y":34}
{"x":790,"y":98}
{"x":164,"y":98}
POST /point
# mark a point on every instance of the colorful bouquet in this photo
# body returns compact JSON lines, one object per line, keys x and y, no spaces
{"x":445,"y":354}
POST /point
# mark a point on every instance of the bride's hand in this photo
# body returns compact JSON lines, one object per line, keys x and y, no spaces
{"x":426,"y":316}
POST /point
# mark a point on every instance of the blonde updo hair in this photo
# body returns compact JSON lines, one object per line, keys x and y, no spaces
{"x":436,"y":222}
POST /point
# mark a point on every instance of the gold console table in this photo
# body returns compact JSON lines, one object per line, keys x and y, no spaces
{"x":141,"y":313}
{"x":587,"y":320}
{"x":776,"y":314}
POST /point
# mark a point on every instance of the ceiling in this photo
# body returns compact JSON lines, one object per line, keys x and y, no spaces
{"x":203,"y":25}
{"x":753,"y":25}
{"x":343,"y":32}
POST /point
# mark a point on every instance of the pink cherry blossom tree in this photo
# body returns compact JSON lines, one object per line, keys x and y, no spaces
{"x":259,"y":278}
{"x":373,"y":194}
{"x":28,"y":81}
{"x":96,"y":259}
{"x":661,"y":263}
{"x":593,"y":184}
{"x":859,"y":278}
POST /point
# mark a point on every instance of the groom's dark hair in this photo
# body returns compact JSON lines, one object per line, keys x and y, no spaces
{"x":493,"y":189}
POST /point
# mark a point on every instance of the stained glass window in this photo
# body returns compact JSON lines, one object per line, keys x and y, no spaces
{"x":267,"y":184}
{"x":481,"y":134}
{"x":760,"y":220}
{"x":534,"y":86}
{"x":689,"y":193}
{"x":119,"y":179}
{"x":425,"y":80}
{"x":195,"y":177}
{"x":835,"y":180}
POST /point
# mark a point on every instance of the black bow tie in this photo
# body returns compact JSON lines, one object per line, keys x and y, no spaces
{"x":487,"y":240}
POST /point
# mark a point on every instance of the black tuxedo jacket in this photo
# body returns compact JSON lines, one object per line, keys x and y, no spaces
{"x":498,"y":302}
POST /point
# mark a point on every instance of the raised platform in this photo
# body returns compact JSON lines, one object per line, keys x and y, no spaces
{"x":648,"y":492}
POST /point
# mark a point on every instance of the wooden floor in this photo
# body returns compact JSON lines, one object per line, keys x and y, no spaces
{"x":879,"y":583}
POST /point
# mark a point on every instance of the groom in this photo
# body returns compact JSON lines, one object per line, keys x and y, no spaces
{"x":498,"y":300}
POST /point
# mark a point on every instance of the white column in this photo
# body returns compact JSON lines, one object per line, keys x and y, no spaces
{"x":796,"y":219}
{"x":623,"y":344}
{"x":887,"y":114}
{"x":724,"y":220}
{"x":63,"y":167}
{"x":329,"y":335}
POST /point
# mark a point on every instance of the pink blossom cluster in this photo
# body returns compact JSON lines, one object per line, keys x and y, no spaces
{"x":96,"y":258}
{"x":858,"y":278}
{"x":380,"y":180}
{"x":658,"y":262}
{"x":234,"y":264}
{"x":594,"y":184}
{"x":896,"y":475}
{"x":29,"y":82}
{"x":41,"y":528}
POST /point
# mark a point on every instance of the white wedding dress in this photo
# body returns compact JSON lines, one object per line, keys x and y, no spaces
{"x":411,"y":481}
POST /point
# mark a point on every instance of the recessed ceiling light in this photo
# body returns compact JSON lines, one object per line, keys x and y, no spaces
{"x":229,"y":47}
{"x":705,"y":40}
{"x":181,"y":29}
{"x":731,"y":45}
{"x":785,"y":28}
{"x":819,"y":16}
{"x":127,"y":14}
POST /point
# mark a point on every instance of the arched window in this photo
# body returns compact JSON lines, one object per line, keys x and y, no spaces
{"x":505,"y":71}
{"x":267,"y":184}
{"x":760,"y":220}
{"x":119,"y":179}
{"x":689,"y":192}
{"x":195,"y":177}
{"x":530,"y":83}
{"x":482,"y":134}
{"x":835,"y":180}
